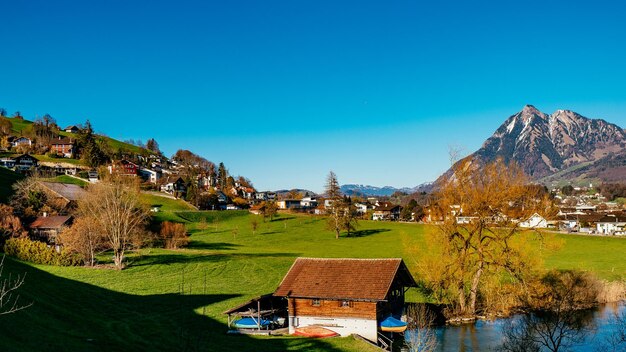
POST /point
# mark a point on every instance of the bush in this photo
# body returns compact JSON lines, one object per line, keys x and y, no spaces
{"x":174,"y":235}
{"x":39,"y":253}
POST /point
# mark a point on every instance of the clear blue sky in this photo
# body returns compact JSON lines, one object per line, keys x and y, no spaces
{"x":283,"y":92}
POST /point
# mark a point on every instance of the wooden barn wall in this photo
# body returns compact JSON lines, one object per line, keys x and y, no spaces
{"x":331,"y":308}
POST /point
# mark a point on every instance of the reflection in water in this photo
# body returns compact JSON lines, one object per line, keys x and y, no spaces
{"x":487,"y":335}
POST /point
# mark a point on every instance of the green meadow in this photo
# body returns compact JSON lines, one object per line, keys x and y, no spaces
{"x":175,"y":299}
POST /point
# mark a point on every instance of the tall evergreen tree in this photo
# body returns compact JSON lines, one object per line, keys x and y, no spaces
{"x":222,"y":175}
{"x":89,"y":149}
{"x":153,"y":146}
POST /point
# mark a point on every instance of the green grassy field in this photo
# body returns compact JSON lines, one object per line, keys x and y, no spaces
{"x":19,"y":125}
{"x":68,"y":179}
{"x":141,"y":307}
{"x":7,"y":179}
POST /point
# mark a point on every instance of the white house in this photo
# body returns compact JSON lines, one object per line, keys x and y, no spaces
{"x":612,"y":224}
{"x":308,"y":202}
{"x":534,"y":221}
{"x":151,"y":176}
{"x":21,"y":141}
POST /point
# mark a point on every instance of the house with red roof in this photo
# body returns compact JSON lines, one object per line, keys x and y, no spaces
{"x":345,"y":296}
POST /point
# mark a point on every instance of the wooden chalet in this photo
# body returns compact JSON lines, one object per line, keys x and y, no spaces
{"x":26,"y":162}
{"x":47,"y":228}
{"x":346,"y":296}
{"x":72,"y":129}
{"x":387,"y":211}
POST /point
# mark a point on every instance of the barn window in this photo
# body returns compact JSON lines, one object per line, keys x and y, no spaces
{"x":315,"y":302}
{"x":346,"y":304}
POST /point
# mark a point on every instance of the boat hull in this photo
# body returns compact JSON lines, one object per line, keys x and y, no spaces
{"x":315,"y":331}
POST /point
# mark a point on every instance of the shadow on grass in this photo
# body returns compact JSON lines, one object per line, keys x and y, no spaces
{"x":69,"y":315}
{"x":212,"y":245}
{"x":152,"y":259}
{"x":364,"y":233}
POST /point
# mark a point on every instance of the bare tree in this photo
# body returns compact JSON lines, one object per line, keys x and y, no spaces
{"x":268,"y":209}
{"x":85,"y":237}
{"x":9,"y":299}
{"x":174,"y":235}
{"x":334,"y":208}
{"x":254,"y":224}
{"x":116,"y":209}
{"x":348,"y":215}
{"x":421,"y":336}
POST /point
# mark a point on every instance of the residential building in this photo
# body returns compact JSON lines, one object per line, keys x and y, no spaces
{"x":21,"y":142}
{"x":387,"y":212}
{"x":534,"y":221}
{"x":346,"y":296}
{"x":124,"y":167}
{"x":47,"y":228}
{"x":72,"y":129}
{"x":149,"y":175}
{"x":612,"y":224}
{"x":63,"y":146}
{"x":26,"y":162}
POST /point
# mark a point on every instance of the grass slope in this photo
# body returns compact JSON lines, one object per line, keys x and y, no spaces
{"x":19,"y":125}
{"x":7,"y":179}
{"x":69,"y":180}
{"x":140,"y":308}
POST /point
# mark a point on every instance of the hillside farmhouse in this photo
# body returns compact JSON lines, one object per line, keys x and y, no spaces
{"x":47,"y":228}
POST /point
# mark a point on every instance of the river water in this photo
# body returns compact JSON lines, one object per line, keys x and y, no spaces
{"x":487,"y":335}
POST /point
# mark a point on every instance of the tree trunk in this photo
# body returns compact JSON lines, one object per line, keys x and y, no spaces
{"x":462,"y":298}
{"x":118,"y":257}
{"x":474,"y":288}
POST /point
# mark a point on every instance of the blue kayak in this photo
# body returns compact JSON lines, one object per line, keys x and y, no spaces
{"x":250,"y":323}
{"x":392,"y":324}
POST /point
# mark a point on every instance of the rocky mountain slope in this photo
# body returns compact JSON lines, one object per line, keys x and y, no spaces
{"x":548,"y":144}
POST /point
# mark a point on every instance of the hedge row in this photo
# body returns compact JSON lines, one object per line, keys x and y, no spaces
{"x":39,"y":253}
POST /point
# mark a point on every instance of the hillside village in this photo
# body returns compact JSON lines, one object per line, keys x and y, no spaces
{"x":55,"y":168}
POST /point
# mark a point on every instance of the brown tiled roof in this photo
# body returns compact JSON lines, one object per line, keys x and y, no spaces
{"x":49,"y":222}
{"x":581,"y":217}
{"x":355,"y":279}
{"x":63,"y":141}
{"x":387,"y":207}
{"x":613,"y":218}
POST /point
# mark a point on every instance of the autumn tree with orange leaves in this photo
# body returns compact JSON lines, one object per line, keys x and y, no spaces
{"x":479,"y":241}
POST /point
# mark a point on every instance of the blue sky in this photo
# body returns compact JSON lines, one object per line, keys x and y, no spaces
{"x":283,"y":92}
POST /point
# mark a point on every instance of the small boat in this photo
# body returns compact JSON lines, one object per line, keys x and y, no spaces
{"x":251,"y":323}
{"x":392,"y":324}
{"x":315,"y":331}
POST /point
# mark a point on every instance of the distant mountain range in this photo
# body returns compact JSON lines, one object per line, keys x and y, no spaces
{"x":563,"y":146}
{"x":367,"y":190}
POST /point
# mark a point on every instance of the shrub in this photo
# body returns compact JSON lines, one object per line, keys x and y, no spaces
{"x":39,"y":253}
{"x":173,"y":235}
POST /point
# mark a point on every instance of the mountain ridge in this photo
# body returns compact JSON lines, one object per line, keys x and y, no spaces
{"x":546,"y":144}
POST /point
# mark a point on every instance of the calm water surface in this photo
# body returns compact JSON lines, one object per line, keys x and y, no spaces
{"x":487,"y":335}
